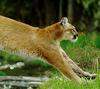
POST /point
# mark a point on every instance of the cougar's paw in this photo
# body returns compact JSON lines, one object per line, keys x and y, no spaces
{"x":90,"y":76}
{"x":93,"y":76}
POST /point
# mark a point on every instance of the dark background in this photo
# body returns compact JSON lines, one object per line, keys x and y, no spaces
{"x":84,"y":14}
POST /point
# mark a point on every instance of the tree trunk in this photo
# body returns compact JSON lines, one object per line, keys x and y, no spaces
{"x":50,"y":12}
{"x":38,"y":13}
{"x":60,"y":9}
{"x":70,"y":10}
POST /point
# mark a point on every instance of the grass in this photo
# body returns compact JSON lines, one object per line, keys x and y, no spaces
{"x":61,"y":83}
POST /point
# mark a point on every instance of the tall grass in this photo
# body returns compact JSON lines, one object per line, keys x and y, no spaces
{"x":85,"y":50}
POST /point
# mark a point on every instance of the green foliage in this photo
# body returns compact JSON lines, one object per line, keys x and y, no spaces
{"x":87,"y":3}
{"x":11,"y":58}
{"x":97,"y":42}
{"x":90,"y":15}
{"x":39,"y":62}
{"x":83,"y":40}
{"x":2,"y":73}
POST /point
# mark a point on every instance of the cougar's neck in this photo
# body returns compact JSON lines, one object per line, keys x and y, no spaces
{"x":56,"y":31}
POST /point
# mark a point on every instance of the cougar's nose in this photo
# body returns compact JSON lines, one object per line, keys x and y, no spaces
{"x":75,"y":36}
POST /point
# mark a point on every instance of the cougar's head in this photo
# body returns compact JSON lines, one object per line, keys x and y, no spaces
{"x":70,"y":32}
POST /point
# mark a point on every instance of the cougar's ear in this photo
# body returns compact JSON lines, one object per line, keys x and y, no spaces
{"x":64,"y":21}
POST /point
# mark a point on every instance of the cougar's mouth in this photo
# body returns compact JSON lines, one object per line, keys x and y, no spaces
{"x":75,"y":38}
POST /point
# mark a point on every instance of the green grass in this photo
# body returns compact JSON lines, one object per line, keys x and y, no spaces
{"x":61,"y":83}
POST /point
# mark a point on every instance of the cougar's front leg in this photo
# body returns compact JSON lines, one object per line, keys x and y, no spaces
{"x":56,"y":58}
{"x":76,"y":68}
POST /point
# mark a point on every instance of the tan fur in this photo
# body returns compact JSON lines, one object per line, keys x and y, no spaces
{"x":21,"y":38}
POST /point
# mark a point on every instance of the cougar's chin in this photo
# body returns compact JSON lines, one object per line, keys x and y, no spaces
{"x":74,"y":40}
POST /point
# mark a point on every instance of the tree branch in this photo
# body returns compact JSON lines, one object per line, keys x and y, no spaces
{"x":22,"y":81}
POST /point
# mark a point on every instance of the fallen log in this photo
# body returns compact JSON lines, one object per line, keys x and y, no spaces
{"x":22,"y":81}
